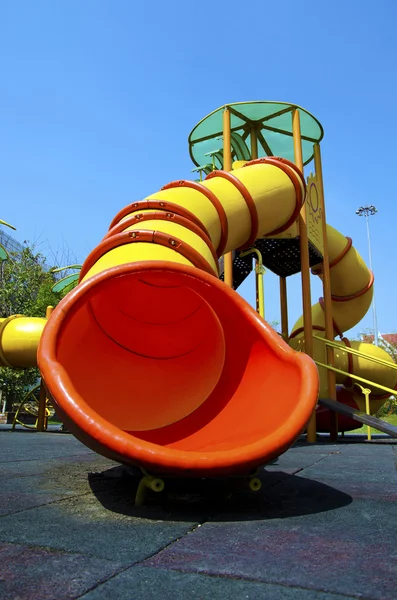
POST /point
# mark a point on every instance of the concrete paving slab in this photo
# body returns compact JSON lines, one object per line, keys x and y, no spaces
{"x":329,"y":559}
{"x":29,"y":573}
{"x":311,"y":534}
{"x":323,"y":525}
{"x":83,"y":525}
{"x":31,"y":445}
{"x":30,"y":483}
{"x":15,"y":497}
{"x":147,"y":583}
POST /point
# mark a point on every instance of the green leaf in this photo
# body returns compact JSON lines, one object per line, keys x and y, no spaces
{"x":65,"y":282}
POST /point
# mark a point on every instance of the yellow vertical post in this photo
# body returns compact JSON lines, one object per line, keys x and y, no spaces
{"x":305,"y":263}
{"x":227,"y":166}
{"x":41,"y":416}
{"x":259,"y":269}
{"x":260,"y":291}
{"x":284,"y":308}
{"x":329,"y":324}
{"x":260,"y":288}
{"x":366,"y":393}
{"x":254,"y":143}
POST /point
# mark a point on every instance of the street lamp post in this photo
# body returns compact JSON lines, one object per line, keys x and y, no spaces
{"x":367,"y":211}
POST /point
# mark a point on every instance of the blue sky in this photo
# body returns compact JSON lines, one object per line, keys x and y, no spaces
{"x":98,"y":98}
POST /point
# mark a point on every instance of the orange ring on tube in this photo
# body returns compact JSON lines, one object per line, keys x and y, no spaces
{"x":293,"y":175}
{"x":248,"y":200}
{"x":159,"y":205}
{"x":317,"y":270}
{"x":144,"y":235}
{"x":199,"y":187}
{"x":270,"y":159}
{"x":162,"y":216}
{"x":356,"y":294}
{"x":301,"y":330}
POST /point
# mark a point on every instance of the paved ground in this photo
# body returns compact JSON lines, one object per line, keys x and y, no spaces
{"x":324,"y":526}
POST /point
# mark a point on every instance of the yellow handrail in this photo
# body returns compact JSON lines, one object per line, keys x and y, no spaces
{"x":356,"y":352}
{"x":259,"y":273}
{"x":357,"y":378}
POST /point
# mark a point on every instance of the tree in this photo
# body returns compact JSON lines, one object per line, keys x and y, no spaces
{"x":25,"y":284}
{"x":25,"y":288}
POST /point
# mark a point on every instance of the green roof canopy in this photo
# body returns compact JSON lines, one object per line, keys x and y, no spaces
{"x":273,"y":123}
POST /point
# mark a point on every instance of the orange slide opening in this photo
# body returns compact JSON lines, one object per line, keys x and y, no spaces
{"x":166,"y":367}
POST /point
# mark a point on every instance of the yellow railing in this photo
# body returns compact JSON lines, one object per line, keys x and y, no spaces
{"x":337,"y":345}
{"x":357,"y":378}
{"x":365,"y":390}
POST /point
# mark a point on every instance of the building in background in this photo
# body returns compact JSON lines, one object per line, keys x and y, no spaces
{"x":9,"y":243}
{"x":388,"y":340}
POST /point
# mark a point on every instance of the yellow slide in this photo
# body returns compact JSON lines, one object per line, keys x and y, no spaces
{"x":19,"y":340}
{"x":352,"y":290}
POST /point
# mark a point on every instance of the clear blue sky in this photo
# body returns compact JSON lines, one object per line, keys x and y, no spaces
{"x":98,"y":97}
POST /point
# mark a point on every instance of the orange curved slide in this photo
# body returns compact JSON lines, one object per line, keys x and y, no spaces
{"x":152,"y":360}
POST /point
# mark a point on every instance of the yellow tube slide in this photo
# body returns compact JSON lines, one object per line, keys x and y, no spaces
{"x":19,"y":340}
{"x":152,"y":360}
{"x":352,"y":290}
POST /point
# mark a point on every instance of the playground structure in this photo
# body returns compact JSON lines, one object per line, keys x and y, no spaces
{"x":30,"y":405}
{"x":152,"y":360}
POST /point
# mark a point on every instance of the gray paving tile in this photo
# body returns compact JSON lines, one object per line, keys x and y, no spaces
{"x":331,"y":528}
{"x":29,"y":573}
{"x":15,"y":495}
{"x":26,"y":484}
{"x":84,"y":525}
{"x":30,"y":445}
{"x":328,"y":558}
{"x":38,"y":466}
{"x":147,"y":583}
{"x":309,"y":534}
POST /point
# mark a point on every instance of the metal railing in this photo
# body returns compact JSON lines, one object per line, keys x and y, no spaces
{"x":337,"y":345}
{"x":365,"y":390}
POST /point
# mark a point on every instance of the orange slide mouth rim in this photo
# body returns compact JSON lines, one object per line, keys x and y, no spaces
{"x":123,"y":446}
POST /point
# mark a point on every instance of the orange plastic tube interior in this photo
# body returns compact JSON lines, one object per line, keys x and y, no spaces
{"x":165,"y":366}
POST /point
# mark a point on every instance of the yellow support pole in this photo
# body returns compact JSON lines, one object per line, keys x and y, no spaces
{"x":329,"y":325}
{"x":41,"y":415}
{"x":260,"y":288}
{"x":366,"y":393}
{"x":254,"y":143}
{"x":259,"y":273}
{"x":227,"y":166}
{"x":148,"y":482}
{"x":284,"y":308}
{"x":305,"y":264}
{"x":260,"y":292}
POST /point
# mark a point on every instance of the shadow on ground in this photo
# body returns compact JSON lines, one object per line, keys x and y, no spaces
{"x":282,"y":495}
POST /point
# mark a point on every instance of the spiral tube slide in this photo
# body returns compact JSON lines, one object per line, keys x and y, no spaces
{"x":152,"y":360}
{"x":352,"y":291}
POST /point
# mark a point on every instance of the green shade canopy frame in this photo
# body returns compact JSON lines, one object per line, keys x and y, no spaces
{"x":271,"y":123}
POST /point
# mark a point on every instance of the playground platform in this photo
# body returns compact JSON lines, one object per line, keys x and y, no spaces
{"x":323,"y":526}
